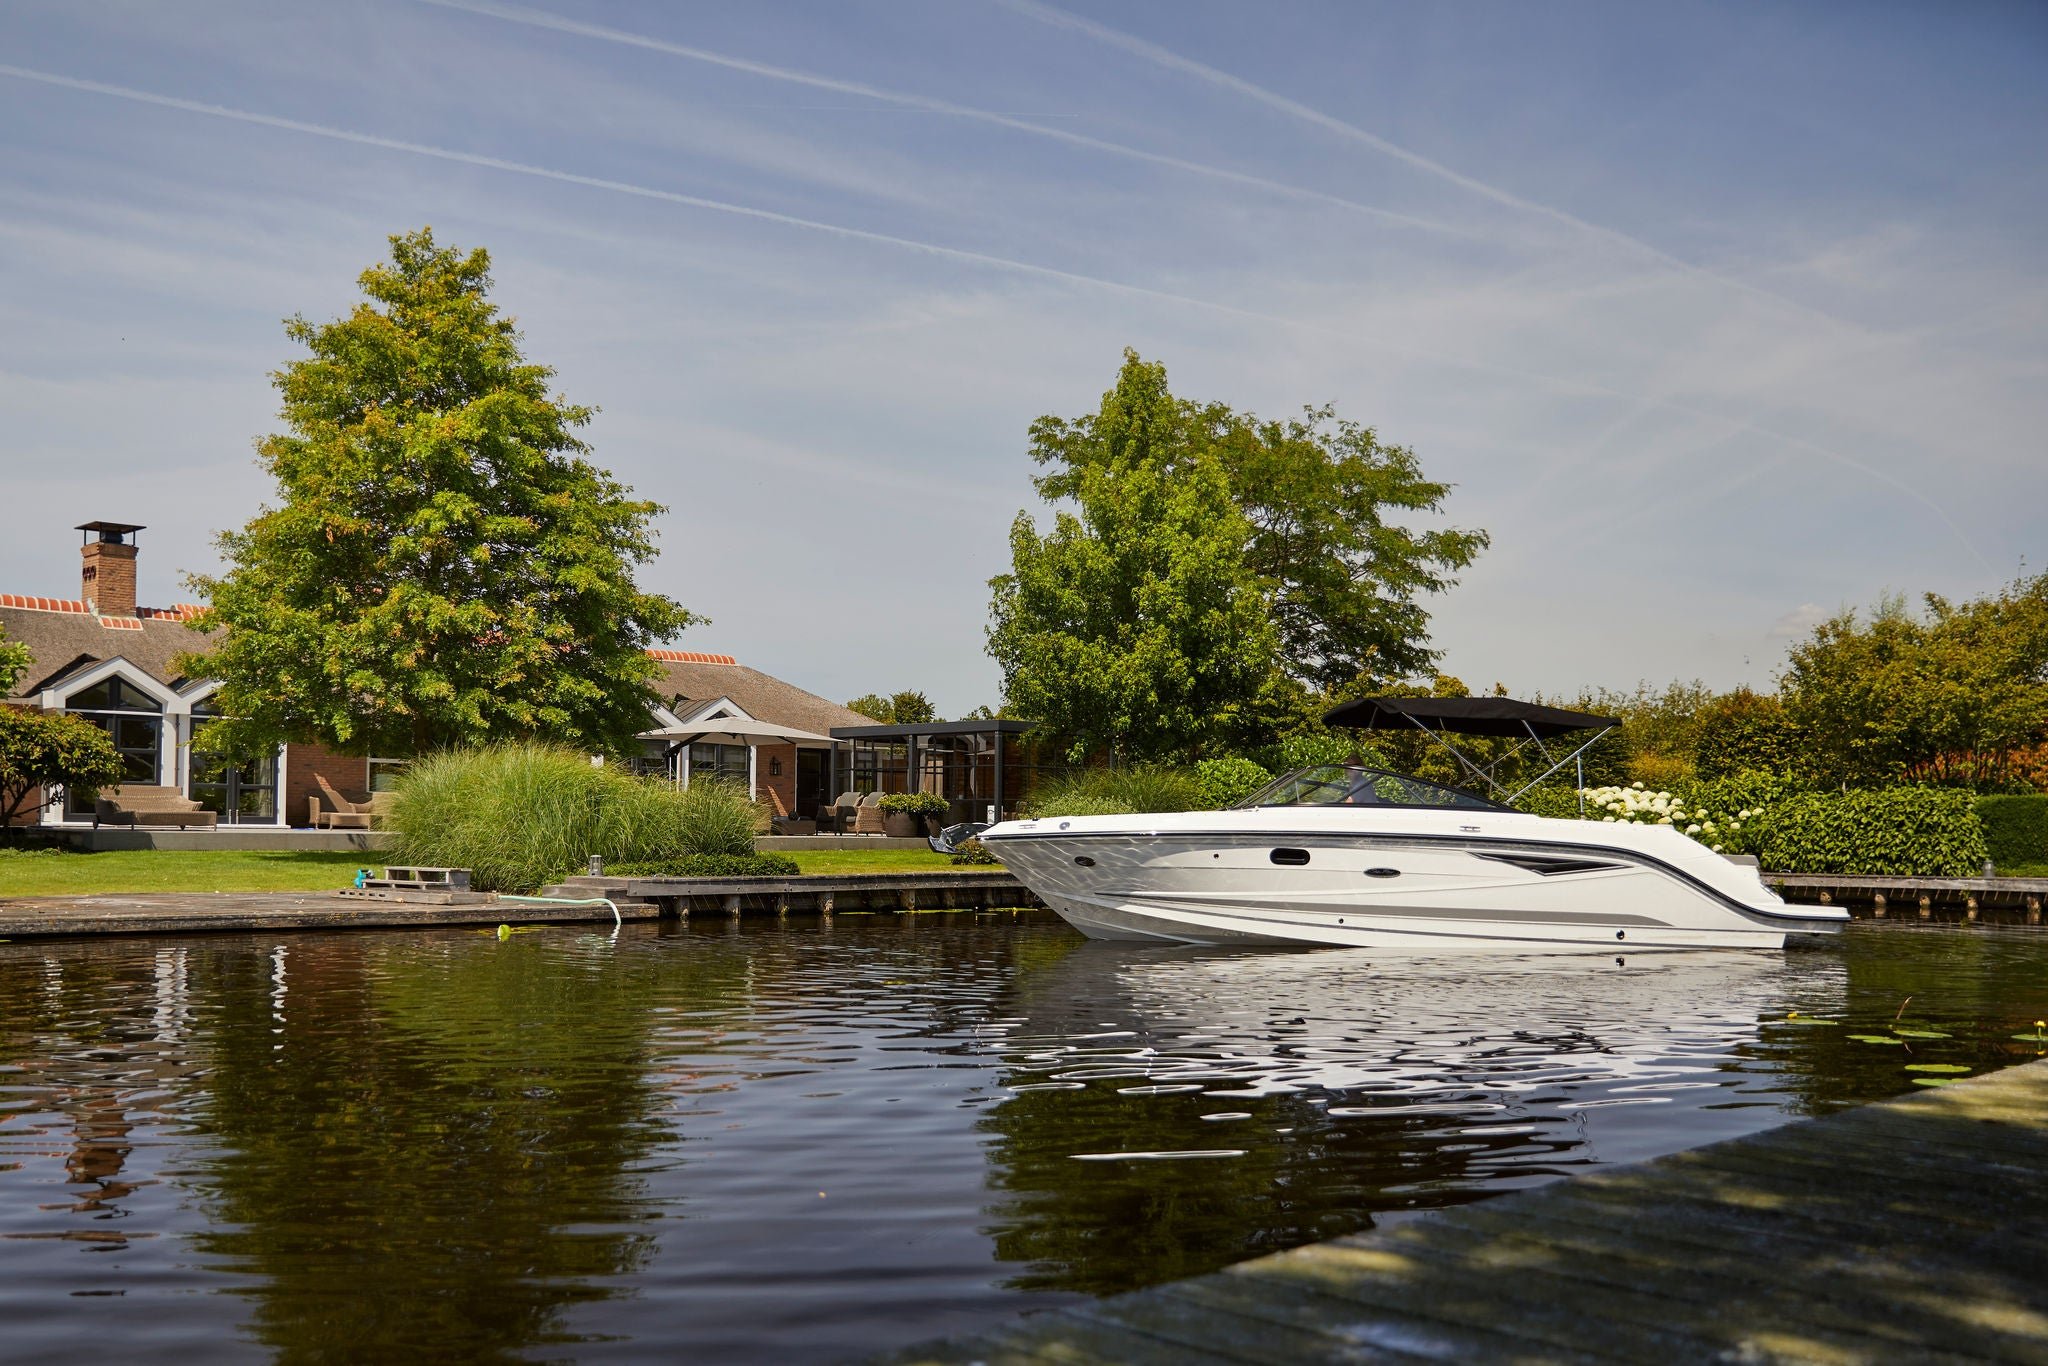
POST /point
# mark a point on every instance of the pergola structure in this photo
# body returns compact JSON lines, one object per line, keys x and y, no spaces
{"x":974,"y":765}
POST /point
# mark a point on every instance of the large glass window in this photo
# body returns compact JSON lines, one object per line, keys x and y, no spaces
{"x":134,"y":721}
{"x":719,"y":761}
{"x":384,"y":773}
{"x":238,"y":791}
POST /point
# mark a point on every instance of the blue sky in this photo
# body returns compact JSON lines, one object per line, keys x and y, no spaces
{"x":1719,"y":318}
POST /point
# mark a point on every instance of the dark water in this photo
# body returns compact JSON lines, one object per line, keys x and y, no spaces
{"x":790,"y":1144}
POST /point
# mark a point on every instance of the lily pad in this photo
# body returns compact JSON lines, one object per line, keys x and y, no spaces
{"x":2032,"y":1038}
{"x":1934,"y":1081}
{"x":1921,"y":1033}
{"x":1876,"y":1038}
{"x":1936,"y":1067}
{"x":1805,"y":1020}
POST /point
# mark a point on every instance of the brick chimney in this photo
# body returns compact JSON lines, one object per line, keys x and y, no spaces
{"x":107,"y":580}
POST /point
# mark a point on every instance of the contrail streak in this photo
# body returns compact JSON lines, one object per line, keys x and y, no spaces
{"x":961,"y":254}
{"x":1173,"y":61}
{"x":541,"y":19}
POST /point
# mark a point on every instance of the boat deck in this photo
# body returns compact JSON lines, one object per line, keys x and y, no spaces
{"x":1911,"y":1230}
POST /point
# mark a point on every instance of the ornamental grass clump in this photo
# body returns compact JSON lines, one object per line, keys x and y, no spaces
{"x":1117,"y":792}
{"x":521,"y":815}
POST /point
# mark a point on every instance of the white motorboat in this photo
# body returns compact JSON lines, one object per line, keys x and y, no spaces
{"x":1356,"y":856}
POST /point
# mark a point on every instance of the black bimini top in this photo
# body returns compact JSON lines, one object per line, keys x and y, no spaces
{"x":1465,"y":716}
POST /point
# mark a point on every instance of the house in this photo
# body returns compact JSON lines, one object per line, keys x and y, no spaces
{"x":102,"y":657}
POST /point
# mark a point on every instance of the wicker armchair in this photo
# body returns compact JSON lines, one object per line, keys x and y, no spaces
{"x":868,"y":817}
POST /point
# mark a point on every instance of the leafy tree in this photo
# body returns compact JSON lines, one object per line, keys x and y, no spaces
{"x":906,"y":708}
{"x":1874,"y":697}
{"x":444,"y":565}
{"x":911,"y":708}
{"x":1136,"y":626}
{"x":875,"y":707}
{"x":15,"y":660}
{"x":43,"y":750}
{"x":1344,"y":583}
{"x":1745,"y":731}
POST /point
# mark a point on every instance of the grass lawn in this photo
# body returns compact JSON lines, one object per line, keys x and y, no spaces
{"x":869,"y":860}
{"x":67,"y":873}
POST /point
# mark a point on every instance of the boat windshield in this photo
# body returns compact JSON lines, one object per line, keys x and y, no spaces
{"x":1351,"y":785}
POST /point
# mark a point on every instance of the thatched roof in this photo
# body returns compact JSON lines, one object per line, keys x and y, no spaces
{"x":63,"y":636}
{"x":688,"y":677}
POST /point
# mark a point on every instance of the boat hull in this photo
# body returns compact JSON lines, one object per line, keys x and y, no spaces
{"x":1421,"y":891}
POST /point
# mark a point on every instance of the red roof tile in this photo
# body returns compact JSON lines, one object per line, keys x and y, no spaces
{"x":42,"y":604}
{"x":690,"y":657}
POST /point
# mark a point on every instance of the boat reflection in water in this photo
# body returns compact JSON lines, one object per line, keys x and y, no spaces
{"x":1322,"y":1091}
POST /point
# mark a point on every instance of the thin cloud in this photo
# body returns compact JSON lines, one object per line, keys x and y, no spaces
{"x":905,"y":100}
{"x":961,"y":254}
{"x":1173,"y":61}
{"x":1799,"y":622}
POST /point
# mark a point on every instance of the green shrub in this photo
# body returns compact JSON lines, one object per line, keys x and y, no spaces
{"x":42,"y":750}
{"x":520,"y":815}
{"x":914,"y":803}
{"x":715,"y":816}
{"x":1745,"y":730}
{"x":1313,"y":748}
{"x":974,"y":852}
{"x":1226,"y":782}
{"x":709,"y":865}
{"x":1562,"y":803}
{"x":1117,"y":792}
{"x":1901,"y":831}
{"x":2015,"y":829}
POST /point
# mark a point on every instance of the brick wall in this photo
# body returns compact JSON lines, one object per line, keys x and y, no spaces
{"x":784,"y":783}
{"x":348,"y":774}
{"x":107,"y":578}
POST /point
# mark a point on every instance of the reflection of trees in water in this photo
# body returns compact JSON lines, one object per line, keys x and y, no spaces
{"x":426,"y":1141}
{"x":1105,"y":1227}
{"x":1420,"y":1060}
{"x":1977,"y":984}
{"x":99,"y":1034}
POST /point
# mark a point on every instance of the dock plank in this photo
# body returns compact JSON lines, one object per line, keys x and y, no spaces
{"x":1911,"y":1230}
{"x":185,"y":912}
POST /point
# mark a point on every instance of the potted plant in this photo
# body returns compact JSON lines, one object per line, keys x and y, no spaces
{"x":905,"y":813}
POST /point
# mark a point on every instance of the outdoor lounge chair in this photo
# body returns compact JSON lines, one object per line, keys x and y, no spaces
{"x":868,"y":817}
{"x":780,"y":822}
{"x":138,"y":804}
{"x":329,"y":810}
{"x":838,"y":816}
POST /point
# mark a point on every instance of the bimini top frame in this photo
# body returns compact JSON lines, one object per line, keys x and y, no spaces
{"x":1526,"y":723}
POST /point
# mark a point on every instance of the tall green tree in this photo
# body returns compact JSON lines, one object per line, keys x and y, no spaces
{"x":41,"y":751}
{"x":15,"y":660}
{"x":1328,"y":505}
{"x":444,"y":564}
{"x":1135,"y":626}
{"x":906,"y":708}
{"x":1872,"y":696}
{"x":875,"y":707}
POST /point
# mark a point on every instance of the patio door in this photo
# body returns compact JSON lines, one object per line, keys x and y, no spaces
{"x":812,"y":780}
{"x":240,"y":792}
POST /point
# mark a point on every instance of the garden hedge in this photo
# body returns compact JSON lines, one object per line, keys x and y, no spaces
{"x":2015,"y":829}
{"x":709,"y":865}
{"x":1899,"y":832}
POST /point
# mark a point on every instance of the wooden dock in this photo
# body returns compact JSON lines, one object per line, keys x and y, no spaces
{"x":959,"y":889}
{"x":1993,"y":900}
{"x":49,"y":917}
{"x":1912,"y":1230}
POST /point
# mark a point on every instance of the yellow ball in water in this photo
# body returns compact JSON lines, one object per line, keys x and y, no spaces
{"x":504,"y":931}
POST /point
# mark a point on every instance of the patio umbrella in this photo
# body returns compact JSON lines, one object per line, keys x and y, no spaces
{"x":735,"y":730}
